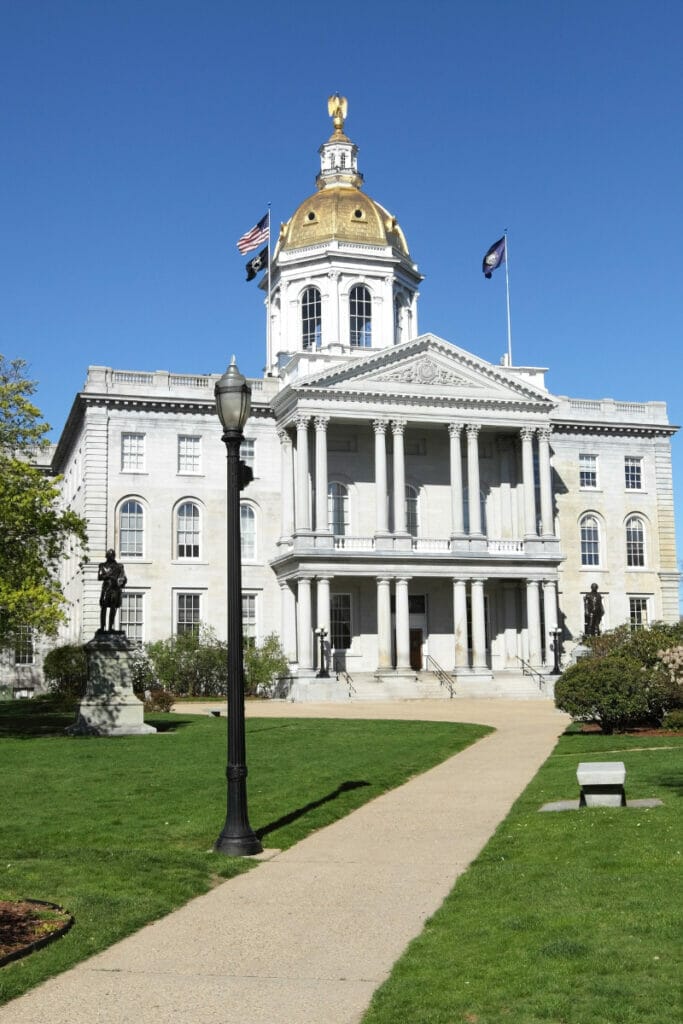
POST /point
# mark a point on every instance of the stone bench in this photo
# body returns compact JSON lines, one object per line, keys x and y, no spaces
{"x":602,"y":783}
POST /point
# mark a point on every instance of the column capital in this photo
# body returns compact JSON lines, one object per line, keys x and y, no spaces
{"x":473,"y":430}
{"x":454,"y":429}
{"x":527,"y":433}
{"x":283,"y":436}
{"x":301,"y":421}
{"x":398,"y":426}
{"x":321,"y":422}
{"x":380,"y":426}
{"x":402,"y":579}
{"x":324,"y":578}
{"x":545,"y":433}
{"x":383,"y":580}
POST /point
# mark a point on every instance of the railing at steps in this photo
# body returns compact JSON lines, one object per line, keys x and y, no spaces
{"x":528,"y":670}
{"x":343,"y":674}
{"x":445,"y":679}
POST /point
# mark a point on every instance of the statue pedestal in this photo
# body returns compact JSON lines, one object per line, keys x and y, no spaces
{"x":110,"y":708}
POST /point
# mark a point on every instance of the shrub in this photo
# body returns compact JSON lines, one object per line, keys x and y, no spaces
{"x":611,"y":691}
{"x":642,"y":645}
{"x":142,"y":673}
{"x":673,"y":719}
{"x":159,"y":700}
{"x":190,"y":663}
{"x":262,"y":664}
{"x":66,"y":672}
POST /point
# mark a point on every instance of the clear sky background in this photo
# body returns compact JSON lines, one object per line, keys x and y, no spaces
{"x":140,"y":138}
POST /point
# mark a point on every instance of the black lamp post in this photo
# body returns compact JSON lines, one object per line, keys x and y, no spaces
{"x":556,"y":634}
{"x":323,"y":671}
{"x":233,"y":402}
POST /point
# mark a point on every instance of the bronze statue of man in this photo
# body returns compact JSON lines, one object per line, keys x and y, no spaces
{"x":593,"y":611}
{"x":113,"y":578}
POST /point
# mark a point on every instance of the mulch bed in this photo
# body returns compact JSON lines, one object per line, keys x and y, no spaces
{"x":26,"y":925}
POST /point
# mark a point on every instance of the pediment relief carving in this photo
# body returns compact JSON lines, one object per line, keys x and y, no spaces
{"x":422,"y":371}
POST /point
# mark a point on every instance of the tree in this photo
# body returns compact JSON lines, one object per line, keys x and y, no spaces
{"x":35,"y":533}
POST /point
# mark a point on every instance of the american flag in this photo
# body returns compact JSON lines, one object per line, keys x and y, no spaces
{"x":254,"y":237}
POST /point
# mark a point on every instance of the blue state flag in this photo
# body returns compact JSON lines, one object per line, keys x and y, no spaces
{"x":494,"y":257}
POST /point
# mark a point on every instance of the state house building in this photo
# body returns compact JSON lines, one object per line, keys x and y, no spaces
{"x":423,"y":506}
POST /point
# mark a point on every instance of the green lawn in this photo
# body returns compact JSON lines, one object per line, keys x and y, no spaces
{"x":120,"y":831}
{"x":564,"y":918}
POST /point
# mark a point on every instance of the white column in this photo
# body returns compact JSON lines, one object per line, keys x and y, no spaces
{"x":286,"y":484}
{"x":533,"y":621}
{"x":321,"y":523}
{"x":457,"y":527}
{"x":383,"y":624}
{"x":478,"y":625}
{"x":527,"y":435}
{"x":381,"y":489}
{"x":303,"y":519}
{"x":288,"y":620}
{"x":323,"y":607}
{"x":473,"y":485}
{"x":402,"y":625}
{"x":549,"y":615}
{"x":397,"y":428}
{"x":304,"y":626}
{"x":545,"y":473}
{"x":460,"y":623}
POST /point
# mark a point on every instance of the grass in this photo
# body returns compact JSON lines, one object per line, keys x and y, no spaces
{"x":120,"y":831}
{"x":564,"y":918}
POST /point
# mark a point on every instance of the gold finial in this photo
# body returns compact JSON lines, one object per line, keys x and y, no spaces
{"x":337,"y":107}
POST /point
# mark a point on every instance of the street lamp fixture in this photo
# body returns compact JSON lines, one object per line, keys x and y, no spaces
{"x":323,"y":672}
{"x":233,"y":402}
{"x":556,"y":634}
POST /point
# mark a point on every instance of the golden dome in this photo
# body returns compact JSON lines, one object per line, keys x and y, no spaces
{"x":339,"y":211}
{"x":345,"y":215}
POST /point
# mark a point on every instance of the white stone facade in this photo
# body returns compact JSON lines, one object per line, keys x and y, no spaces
{"x":423,"y":506}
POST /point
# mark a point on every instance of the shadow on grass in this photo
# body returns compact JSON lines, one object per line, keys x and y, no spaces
{"x":44,"y":717}
{"x":287,"y":819}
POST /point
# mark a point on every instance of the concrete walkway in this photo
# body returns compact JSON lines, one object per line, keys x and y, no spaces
{"x":308,"y":935}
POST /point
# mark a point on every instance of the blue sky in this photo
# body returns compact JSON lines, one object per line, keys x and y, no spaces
{"x":140,"y":139}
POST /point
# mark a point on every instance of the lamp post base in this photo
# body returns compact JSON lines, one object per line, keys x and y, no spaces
{"x":245,"y":845}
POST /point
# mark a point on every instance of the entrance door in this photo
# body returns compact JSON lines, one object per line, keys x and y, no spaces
{"x":416,"y":650}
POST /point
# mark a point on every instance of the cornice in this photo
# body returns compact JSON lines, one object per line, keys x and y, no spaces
{"x":572,"y":428}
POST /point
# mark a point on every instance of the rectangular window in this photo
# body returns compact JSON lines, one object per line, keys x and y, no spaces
{"x":638,"y":612}
{"x":132,"y":621}
{"x":189,"y":453}
{"x":188,"y":617}
{"x":340,"y":621}
{"x":249,"y":619}
{"x":247,"y":452}
{"x":24,"y":653}
{"x":633,"y":473}
{"x":588,"y":471}
{"x":132,"y":453}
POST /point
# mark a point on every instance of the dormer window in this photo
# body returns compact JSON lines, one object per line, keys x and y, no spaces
{"x":311,"y":320}
{"x":360,"y":317}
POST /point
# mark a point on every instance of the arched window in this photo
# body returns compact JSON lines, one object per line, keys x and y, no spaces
{"x":338,"y":508}
{"x":131,"y":529}
{"x":187,"y":530}
{"x":311,"y":319}
{"x":412,"y":510}
{"x":360,"y":317}
{"x":635,"y":541}
{"x":590,"y":541}
{"x":248,"y":528}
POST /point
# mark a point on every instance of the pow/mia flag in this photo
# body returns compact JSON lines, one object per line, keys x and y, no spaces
{"x":257,"y":264}
{"x":494,"y":257}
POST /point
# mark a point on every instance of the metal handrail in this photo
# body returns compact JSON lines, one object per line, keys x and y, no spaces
{"x":529,"y":670}
{"x":347,"y":679}
{"x":445,"y":679}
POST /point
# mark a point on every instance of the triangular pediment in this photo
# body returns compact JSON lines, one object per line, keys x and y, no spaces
{"x":426,"y":367}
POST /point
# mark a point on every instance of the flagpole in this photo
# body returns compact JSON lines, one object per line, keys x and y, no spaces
{"x":507,"y":294}
{"x":269,"y":343}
